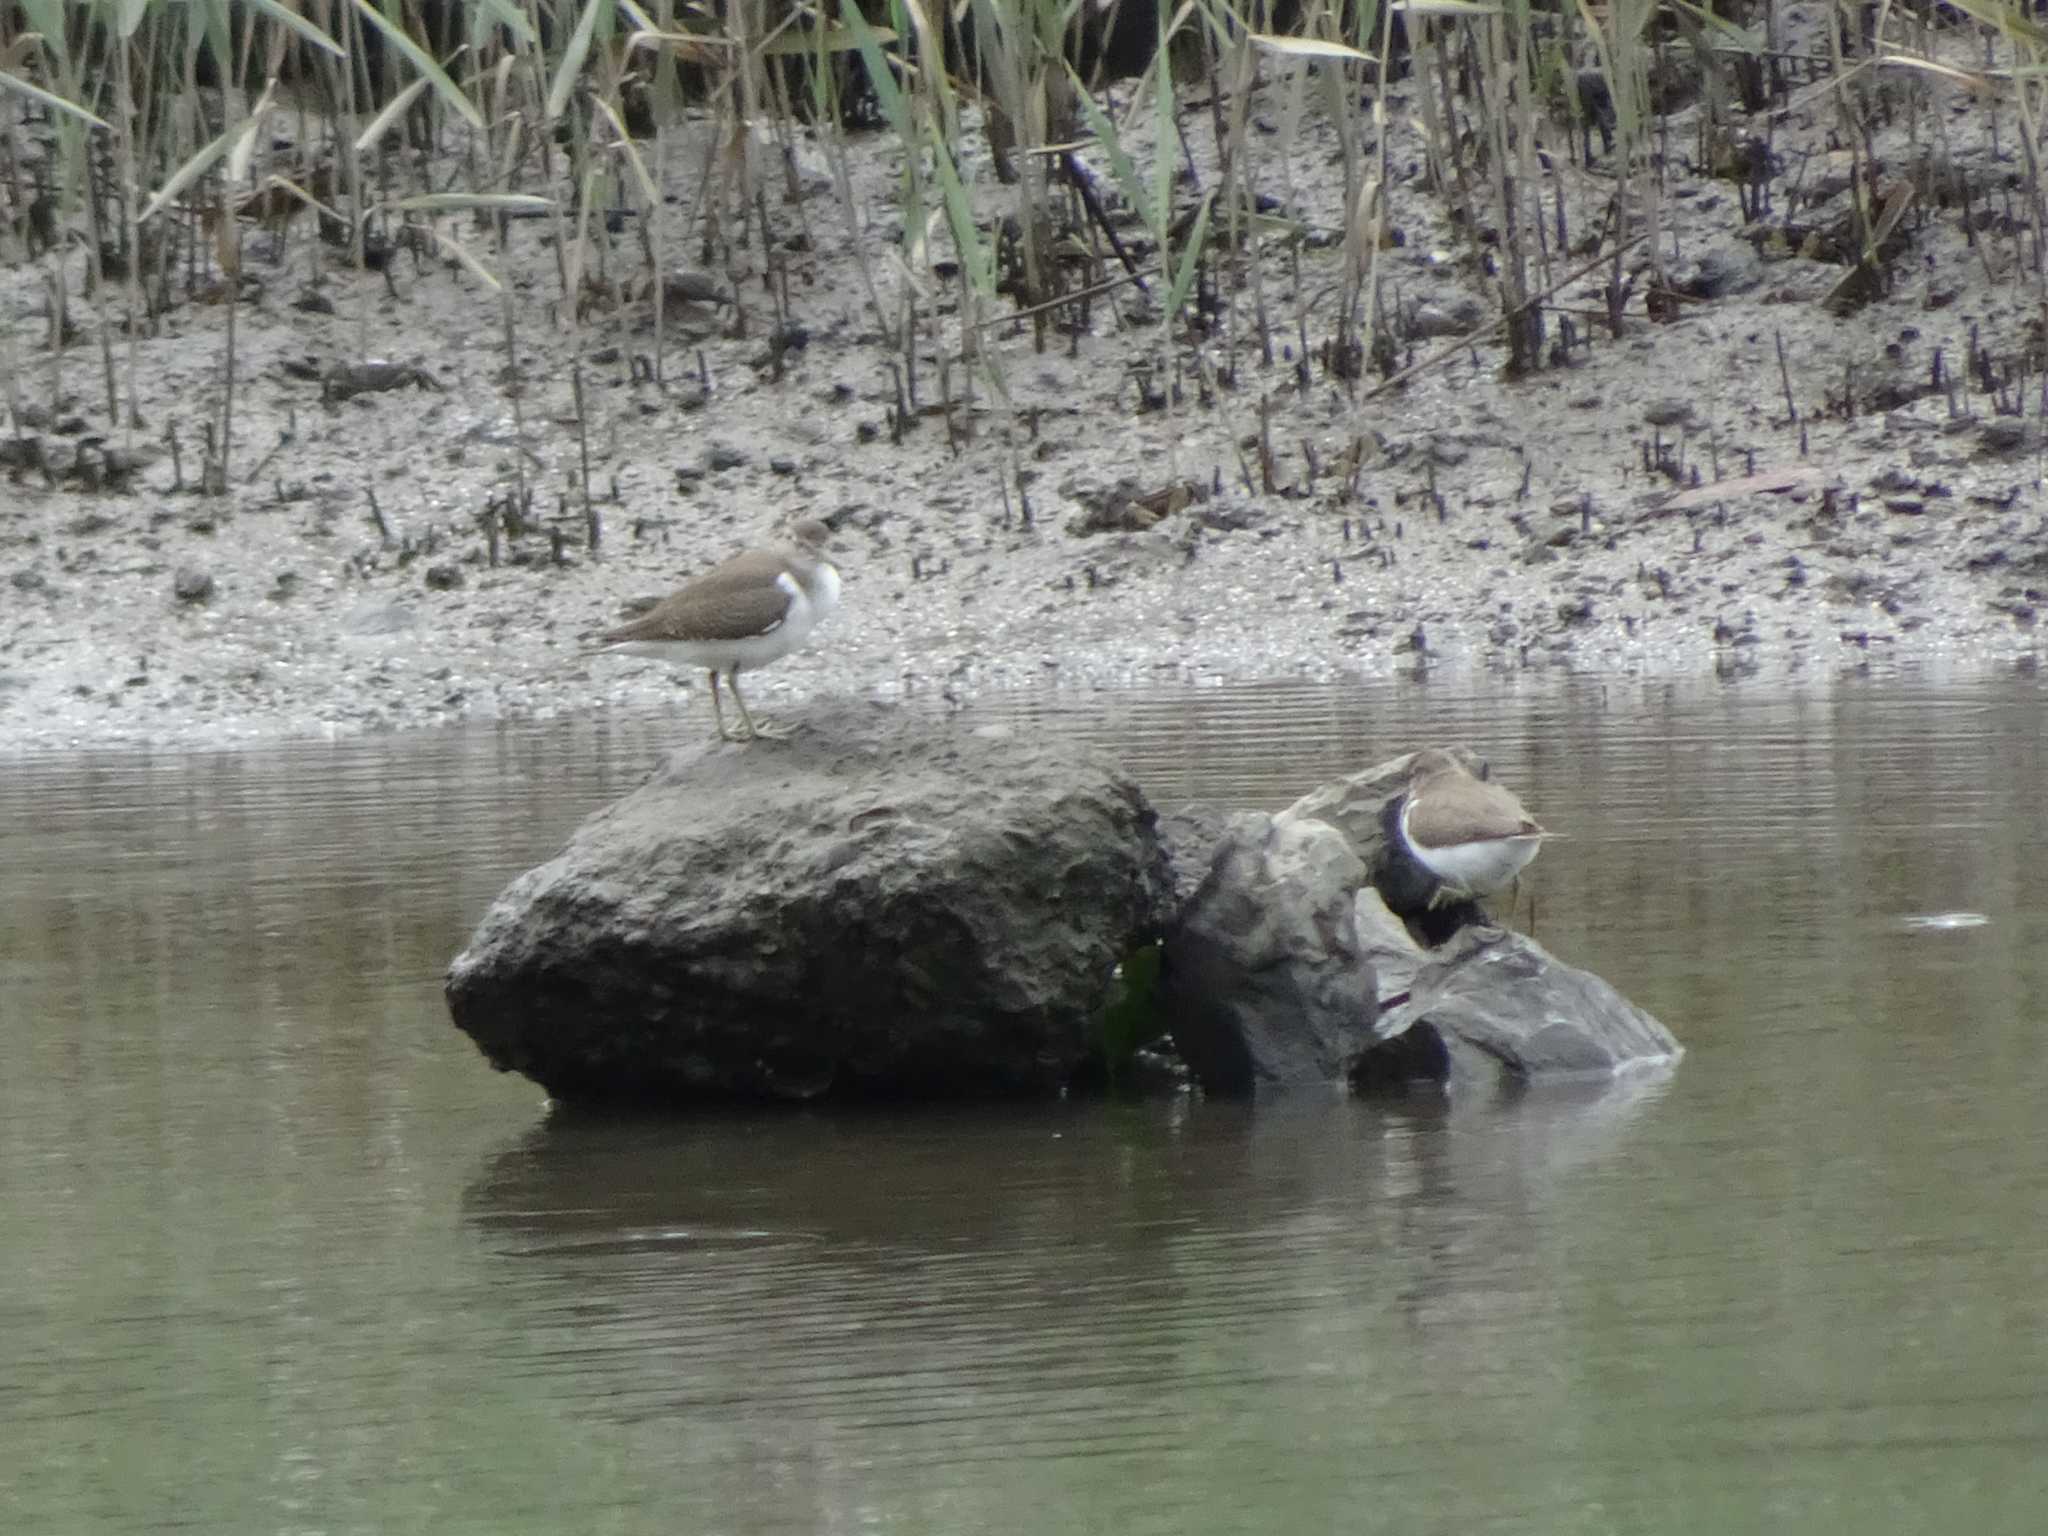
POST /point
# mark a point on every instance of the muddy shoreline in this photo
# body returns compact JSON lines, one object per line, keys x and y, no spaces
{"x":1753,"y":485}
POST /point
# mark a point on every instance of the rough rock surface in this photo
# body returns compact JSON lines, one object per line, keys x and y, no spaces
{"x":1491,"y":1006}
{"x":1192,"y":834}
{"x":1264,"y":981}
{"x":877,"y":905}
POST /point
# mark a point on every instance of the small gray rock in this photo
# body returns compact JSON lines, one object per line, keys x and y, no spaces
{"x":2004,"y":434}
{"x":685,"y":285}
{"x":1497,"y":1008}
{"x":1429,"y":321}
{"x":374,"y":618}
{"x":1731,"y":266}
{"x":192,"y":585}
{"x":1226,"y":515}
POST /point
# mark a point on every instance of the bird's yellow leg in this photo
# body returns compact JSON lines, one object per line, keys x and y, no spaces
{"x":718,"y":710}
{"x":754,"y":732}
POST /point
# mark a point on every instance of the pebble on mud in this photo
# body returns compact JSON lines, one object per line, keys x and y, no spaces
{"x":2003,"y":435}
{"x":686,"y":286}
{"x":1428,"y":321}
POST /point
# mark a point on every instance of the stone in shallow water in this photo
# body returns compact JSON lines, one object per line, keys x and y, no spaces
{"x":880,"y":905}
{"x":1489,"y":1006}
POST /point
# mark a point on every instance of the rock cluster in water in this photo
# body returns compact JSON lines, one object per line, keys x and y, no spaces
{"x":882,"y":905}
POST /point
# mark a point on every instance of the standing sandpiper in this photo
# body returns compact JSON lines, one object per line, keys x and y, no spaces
{"x":1471,"y":834}
{"x":755,"y":608}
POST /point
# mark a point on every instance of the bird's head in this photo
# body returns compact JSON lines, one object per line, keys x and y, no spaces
{"x":813,"y":535}
{"x":1432,"y":761}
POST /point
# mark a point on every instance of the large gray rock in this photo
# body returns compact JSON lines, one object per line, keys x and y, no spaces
{"x":881,"y":904}
{"x":1264,"y":982}
{"x":1492,"y":1007}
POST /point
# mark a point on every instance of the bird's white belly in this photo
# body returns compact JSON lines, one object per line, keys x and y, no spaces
{"x":711,"y":655}
{"x":1479,"y":867}
{"x":825,"y":600}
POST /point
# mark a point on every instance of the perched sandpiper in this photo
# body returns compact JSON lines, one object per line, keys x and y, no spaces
{"x":1471,"y":834}
{"x":755,"y":608}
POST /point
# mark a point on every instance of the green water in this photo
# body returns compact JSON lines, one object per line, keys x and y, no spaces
{"x":282,"y":1255}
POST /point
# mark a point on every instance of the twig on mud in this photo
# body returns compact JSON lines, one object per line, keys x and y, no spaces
{"x":906,"y":382}
{"x":1079,"y":177}
{"x":1076,"y":296}
{"x":583,"y":449}
{"x":377,"y":516}
{"x":899,"y":418}
{"x":96,"y":279}
{"x":228,"y":238}
{"x":285,"y":435}
{"x":1785,"y":377}
{"x":514,"y":389}
{"x":213,"y":471}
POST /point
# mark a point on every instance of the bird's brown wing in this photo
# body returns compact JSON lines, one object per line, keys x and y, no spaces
{"x":733,"y":601}
{"x":1467,"y":811}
